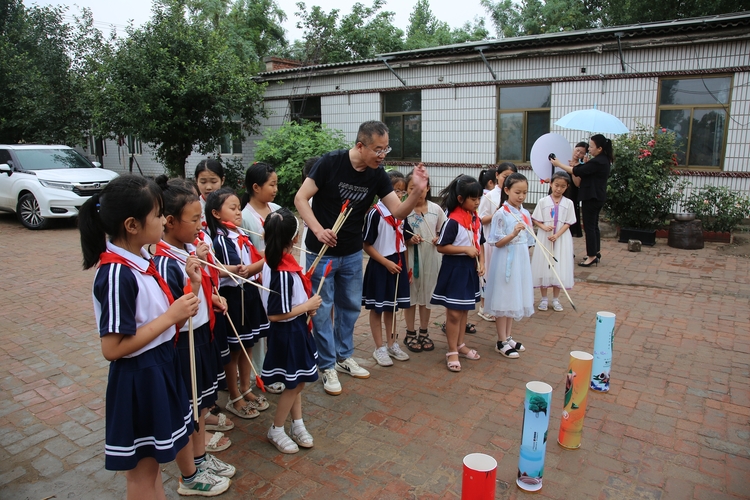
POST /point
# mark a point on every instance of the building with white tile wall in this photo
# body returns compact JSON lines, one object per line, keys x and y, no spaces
{"x":456,"y":99}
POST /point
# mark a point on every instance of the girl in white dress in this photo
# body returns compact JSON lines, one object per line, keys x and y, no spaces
{"x":510,"y":293}
{"x":553,"y":215}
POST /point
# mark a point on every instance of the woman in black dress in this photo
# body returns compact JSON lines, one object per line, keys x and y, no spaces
{"x":592,"y":192}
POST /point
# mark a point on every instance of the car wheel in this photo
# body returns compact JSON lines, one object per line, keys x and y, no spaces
{"x":29,"y":212}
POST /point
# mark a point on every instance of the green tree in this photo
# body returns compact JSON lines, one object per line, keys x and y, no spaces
{"x":642,"y":11}
{"x":254,"y":28}
{"x":177,"y":85}
{"x":44,"y":98}
{"x":534,"y":17}
{"x":288,"y":147}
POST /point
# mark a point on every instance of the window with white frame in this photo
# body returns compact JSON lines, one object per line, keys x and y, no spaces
{"x":92,"y":143}
{"x":135,"y":146}
{"x":402,"y":113}
{"x":696,"y":109}
{"x":523,"y":116}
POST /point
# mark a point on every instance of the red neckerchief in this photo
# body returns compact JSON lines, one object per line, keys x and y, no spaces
{"x":396,"y":225}
{"x":163,"y":250}
{"x":109,"y":257}
{"x":288,"y":264}
{"x":506,"y":207}
{"x":467,"y":220}
{"x":212,"y":271}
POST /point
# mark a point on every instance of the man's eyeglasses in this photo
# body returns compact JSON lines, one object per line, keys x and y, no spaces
{"x":381,"y":152}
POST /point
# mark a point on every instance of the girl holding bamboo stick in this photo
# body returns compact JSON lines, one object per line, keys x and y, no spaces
{"x":292,"y":356}
{"x":385,"y":286}
{"x":510,"y":293}
{"x":460,"y":243}
{"x":235,"y":251}
{"x":148,"y":415}
{"x":182,"y":211}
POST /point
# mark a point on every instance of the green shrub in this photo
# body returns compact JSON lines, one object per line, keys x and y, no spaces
{"x":288,"y":147}
{"x":718,"y":208}
{"x":640,"y":190}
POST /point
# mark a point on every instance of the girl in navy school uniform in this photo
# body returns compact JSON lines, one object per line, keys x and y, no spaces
{"x":292,"y":354}
{"x":383,"y":241}
{"x":237,"y":253}
{"x":148,"y":415}
{"x":460,"y":242}
{"x":183,"y":224}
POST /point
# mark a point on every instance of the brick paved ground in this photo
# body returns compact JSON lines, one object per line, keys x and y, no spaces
{"x":674,"y":425}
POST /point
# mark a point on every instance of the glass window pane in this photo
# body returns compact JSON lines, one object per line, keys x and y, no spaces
{"x":677,"y":121}
{"x":695,"y":91}
{"x":707,"y":136}
{"x":394,"y":136}
{"x":412,"y":136}
{"x":510,"y":141}
{"x":525,"y":97}
{"x":237,"y":145}
{"x":537,"y":124}
{"x":224,"y":145}
{"x":403,"y":102}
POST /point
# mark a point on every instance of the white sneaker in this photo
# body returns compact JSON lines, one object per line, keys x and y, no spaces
{"x":204,"y":484}
{"x":276,"y":388}
{"x":557,"y":306}
{"x":217,"y":467}
{"x":352,"y":368}
{"x":381,"y":356}
{"x":395,"y":351}
{"x":542,"y":305}
{"x":331,"y":382}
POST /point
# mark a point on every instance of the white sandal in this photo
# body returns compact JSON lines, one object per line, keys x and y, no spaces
{"x":302,"y":437}
{"x":246,"y":411}
{"x":214,"y":446}
{"x":260,"y":402}
{"x":222,"y":425}
{"x":282,"y":442}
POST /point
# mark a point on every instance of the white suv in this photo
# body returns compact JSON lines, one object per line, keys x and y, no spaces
{"x":47,"y":182}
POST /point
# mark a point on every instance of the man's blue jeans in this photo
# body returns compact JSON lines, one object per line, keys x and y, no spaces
{"x":342,"y":293}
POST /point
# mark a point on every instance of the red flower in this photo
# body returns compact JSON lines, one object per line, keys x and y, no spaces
{"x":651,"y":143}
{"x":663,"y":130}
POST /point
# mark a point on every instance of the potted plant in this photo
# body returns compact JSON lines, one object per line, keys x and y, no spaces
{"x":640,"y":190}
{"x":719,"y":209}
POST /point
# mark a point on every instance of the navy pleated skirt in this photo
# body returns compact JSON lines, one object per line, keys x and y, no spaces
{"x":255,"y":323}
{"x":207,"y":365}
{"x":147,"y":409}
{"x":457,"y":284}
{"x":220,"y":339}
{"x":292,"y":355}
{"x":379,"y":286}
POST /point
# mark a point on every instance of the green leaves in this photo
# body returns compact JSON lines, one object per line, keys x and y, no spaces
{"x":718,"y":207}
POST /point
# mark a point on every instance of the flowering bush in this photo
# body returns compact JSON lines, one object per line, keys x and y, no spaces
{"x":718,"y":208}
{"x":640,"y":187}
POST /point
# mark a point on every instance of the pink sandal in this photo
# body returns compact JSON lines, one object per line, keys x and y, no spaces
{"x":454,"y":366}
{"x":471,"y":354}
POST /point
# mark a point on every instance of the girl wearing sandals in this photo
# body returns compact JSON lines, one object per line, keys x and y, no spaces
{"x":235,"y":251}
{"x":385,"y":287}
{"x":460,"y":243}
{"x":292,"y":354}
{"x":510,"y":293}
{"x":487,"y":179}
{"x":424,"y":260}
{"x":182,"y":211}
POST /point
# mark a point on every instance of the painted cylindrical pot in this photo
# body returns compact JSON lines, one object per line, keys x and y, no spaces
{"x":479,"y":481}
{"x":604,"y":338}
{"x":574,"y":404}
{"x":536,"y":409}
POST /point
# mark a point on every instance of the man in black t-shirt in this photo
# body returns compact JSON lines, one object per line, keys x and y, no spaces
{"x":354,"y":175}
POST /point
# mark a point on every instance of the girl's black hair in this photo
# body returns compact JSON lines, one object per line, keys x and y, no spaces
{"x":105,"y":213}
{"x":176,"y":193}
{"x":396,"y":176}
{"x":214,"y":166}
{"x":215,"y":201}
{"x":410,"y":176}
{"x":309,"y":164}
{"x":464,"y":186}
{"x":280,"y":228}
{"x":514,"y":178}
{"x":584,"y":145}
{"x":605,"y":144}
{"x":506,"y":165}
{"x":559,"y":175}
{"x":257,"y":173}
{"x":486,"y":176}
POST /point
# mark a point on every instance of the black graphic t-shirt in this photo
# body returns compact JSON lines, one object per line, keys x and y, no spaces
{"x":337,"y":181}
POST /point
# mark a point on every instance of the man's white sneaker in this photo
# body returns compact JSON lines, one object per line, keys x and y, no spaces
{"x":331,"y":382}
{"x":395,"y":351}
{"x":352,"y":368}
{"x":381,"y":356}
